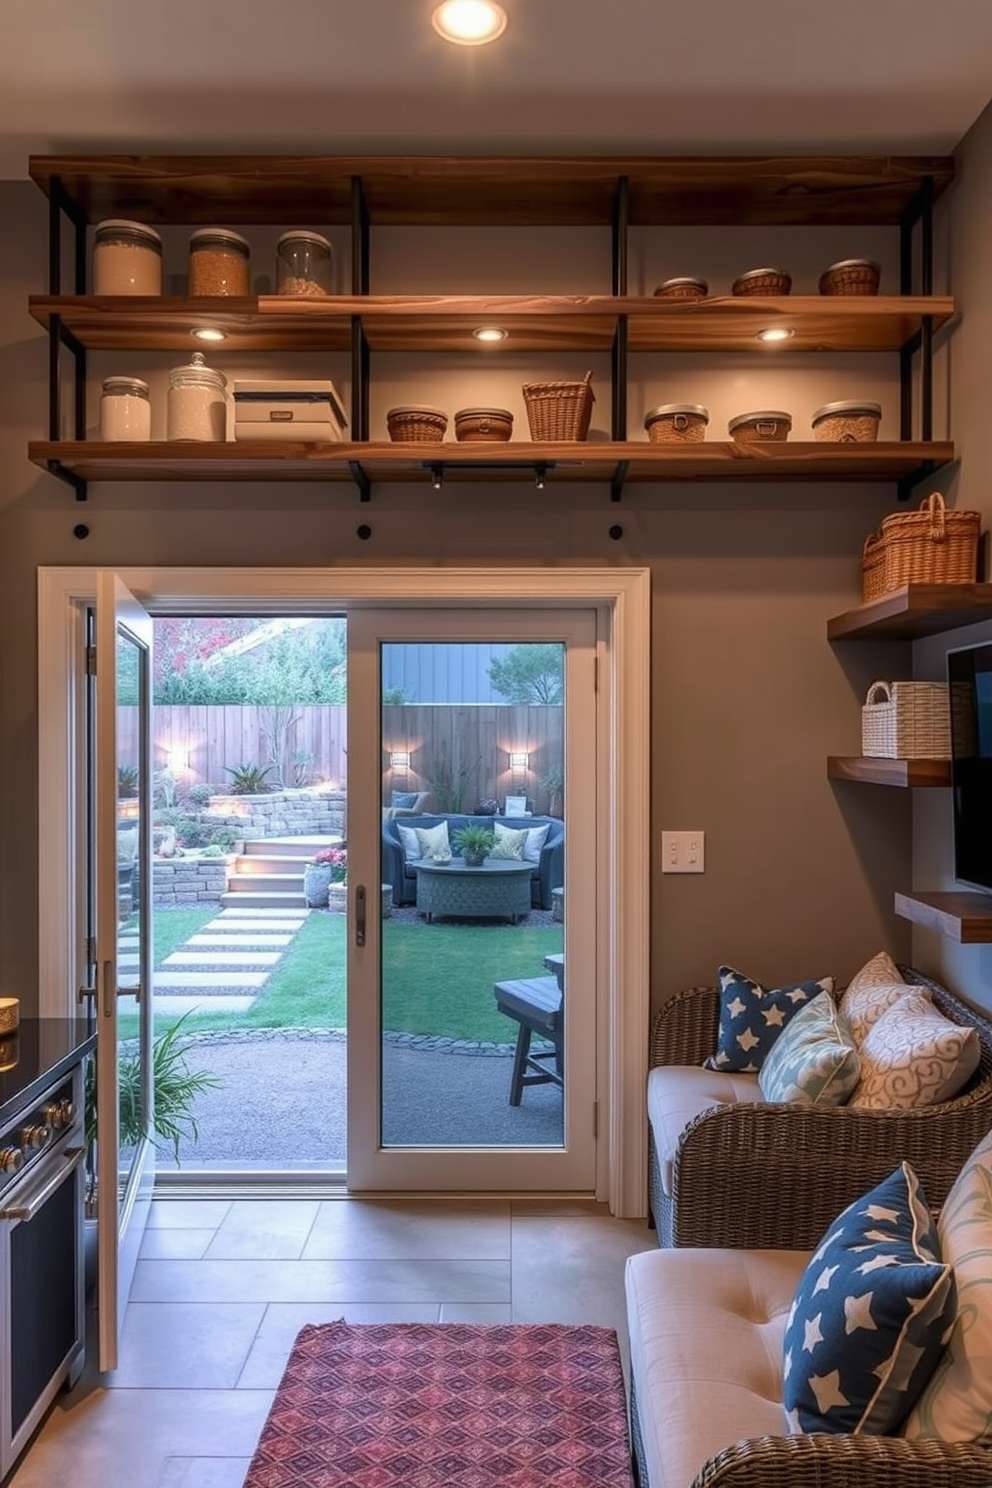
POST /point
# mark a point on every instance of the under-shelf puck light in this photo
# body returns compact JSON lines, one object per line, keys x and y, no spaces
{"x":469,"y":22}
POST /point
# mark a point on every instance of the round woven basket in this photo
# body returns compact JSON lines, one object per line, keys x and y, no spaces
{"x":483,"y":425}
{"x":852,"y":276}
{"x":559,"y":411}
{"x":10,"y":1011}
{"x":847,"y":423}
{"x":873,"y":567}
{"x":408,"y":425}
{"x":767,"y":427}
{"x":683,"y":289}
{"x":763,"y":282}
{"x":677,"y":423}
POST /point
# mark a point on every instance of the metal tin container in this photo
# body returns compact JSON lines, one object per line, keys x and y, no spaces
{"x":677,"y":423}
{"x":127,"y":258}
{"x":850,"y":422}
{"x":218,"y":262}
{"x":683,"y":289}
{"x":766,"y":427}
{"x":763,"y":282}
{"x":125,"y":409}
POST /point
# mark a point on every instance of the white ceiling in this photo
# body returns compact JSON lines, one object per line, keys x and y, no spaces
{"x":569,"y":76}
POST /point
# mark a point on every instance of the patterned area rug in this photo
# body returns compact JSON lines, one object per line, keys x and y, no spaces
{"x":447,"y":1405}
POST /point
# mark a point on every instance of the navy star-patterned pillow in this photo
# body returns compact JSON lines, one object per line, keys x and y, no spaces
{"x":871,"y":1315}
{"x":752,"y":1017}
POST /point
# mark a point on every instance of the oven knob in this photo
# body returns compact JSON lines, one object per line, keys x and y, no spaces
{"x":33,"y":1136}
{"x":58,"y":1114}
{"x":10,"y":1159}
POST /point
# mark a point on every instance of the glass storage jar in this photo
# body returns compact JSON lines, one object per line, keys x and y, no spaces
{"x":125,"y":409}
{"x":127,"y":258}
{"x":197,"y":407}
{"x":304,"y":261}
{"x":218,"y":262}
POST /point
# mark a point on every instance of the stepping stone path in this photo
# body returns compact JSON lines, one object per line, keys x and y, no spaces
{"x":226,"y":962}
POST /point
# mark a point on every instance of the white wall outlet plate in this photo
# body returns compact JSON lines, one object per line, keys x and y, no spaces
{"x":683,"y":852}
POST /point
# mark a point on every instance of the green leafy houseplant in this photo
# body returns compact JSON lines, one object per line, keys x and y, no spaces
{"x":475,"y":844}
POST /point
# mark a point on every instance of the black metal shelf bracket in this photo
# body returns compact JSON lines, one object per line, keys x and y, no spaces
{"x":919,"y":213}
{"x":60,"y":205}
{"x":361,"y":478}
{"x":619,"y":480}
{"x":360,"y":286}
{"x":78,"y":484}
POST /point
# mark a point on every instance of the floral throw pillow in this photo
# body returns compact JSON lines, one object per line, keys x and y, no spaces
{"x":752,"y":1017}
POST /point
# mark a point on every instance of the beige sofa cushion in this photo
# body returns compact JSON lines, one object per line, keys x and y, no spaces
{"x":677,"y":1093}
{"x":706,"y":1329}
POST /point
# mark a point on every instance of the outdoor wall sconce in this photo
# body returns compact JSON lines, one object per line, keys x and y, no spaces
{"x":399,"y":759}
{"x":519,"y":760}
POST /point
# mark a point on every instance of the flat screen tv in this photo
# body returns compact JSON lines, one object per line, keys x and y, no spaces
{"x":969,"y":676}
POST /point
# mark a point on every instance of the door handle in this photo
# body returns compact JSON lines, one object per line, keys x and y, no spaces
{"x":360,"y":909}
{"x":109,"y":989}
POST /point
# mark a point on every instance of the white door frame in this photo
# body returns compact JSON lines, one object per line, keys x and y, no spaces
{"x":622,"y":599}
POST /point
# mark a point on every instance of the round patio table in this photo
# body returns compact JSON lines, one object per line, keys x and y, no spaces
{"x":496,"y":889}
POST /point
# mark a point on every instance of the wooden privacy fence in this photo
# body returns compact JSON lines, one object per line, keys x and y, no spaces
{"x":461,"y":753}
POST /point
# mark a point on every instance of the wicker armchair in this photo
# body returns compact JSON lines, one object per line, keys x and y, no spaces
{"x":834,"y":1461}
{"x":763,"y":1175}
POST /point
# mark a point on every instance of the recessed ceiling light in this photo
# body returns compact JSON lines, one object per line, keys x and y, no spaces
{"x":490,"y":333}
{"x":208,"y":333}
{"x":469,"y":22}
{"x":775,"y":333}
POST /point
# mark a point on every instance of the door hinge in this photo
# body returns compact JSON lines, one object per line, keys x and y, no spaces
{"x":91,"y":661}
{"x":595,"y":1119}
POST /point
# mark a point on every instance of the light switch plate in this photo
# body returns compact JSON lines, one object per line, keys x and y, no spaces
{"x":683,"y":852}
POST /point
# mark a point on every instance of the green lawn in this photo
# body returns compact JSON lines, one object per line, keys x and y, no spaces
{"x":437,"y":979}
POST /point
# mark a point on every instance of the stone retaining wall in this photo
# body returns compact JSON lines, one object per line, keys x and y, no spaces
{"x":189,"y":880}
{"x":290,"y":813}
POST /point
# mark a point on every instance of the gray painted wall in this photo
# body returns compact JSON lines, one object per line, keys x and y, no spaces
{"x":748,"y":698}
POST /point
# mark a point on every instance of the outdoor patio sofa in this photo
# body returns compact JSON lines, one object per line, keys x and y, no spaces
{"x":780,"y":1369}
{"x":548,"y":872}
{"x":714,"y":1144}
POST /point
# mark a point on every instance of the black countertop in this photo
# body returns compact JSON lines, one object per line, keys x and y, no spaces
{"x":37,"y":1055}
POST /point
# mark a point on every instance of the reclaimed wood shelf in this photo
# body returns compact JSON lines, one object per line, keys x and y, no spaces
{"x":532,"y":322}
{"x":900,"y":772}
{"x":964,"y":917}
{"x":515,"y":461}
{"x":914,"y":610}
{"x":494,"y":190}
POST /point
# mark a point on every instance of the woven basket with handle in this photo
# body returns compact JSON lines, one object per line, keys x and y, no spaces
{"x":559,"y":410}
{"x":906,"y":720}
{"x":873,"y":567}
{"x":931,"y":546}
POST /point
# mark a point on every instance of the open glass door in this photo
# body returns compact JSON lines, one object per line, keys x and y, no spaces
{"x":125,"y":1153}
{"x":472,"y":1055}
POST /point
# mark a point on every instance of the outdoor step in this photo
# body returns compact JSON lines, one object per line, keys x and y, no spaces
{"x":258,"y":864}
{"x":267,"y":899}
{"x":246,"y":883}
{"x":290,"y":847}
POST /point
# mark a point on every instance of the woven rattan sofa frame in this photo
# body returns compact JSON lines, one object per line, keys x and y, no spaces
{"x":834,"y":1461}
{"x":752,"y":1176}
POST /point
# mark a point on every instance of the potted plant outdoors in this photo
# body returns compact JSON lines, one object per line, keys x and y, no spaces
{"x":337,"y":889}
{"x":475,"y":844}
{"x":554,"y":784}
{"x":329,"y":865}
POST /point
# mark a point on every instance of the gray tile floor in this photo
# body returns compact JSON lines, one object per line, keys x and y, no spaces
{"x":222,"y":1288}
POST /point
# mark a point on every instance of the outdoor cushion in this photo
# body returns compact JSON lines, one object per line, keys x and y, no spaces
{"x":434,"y":844}
{"x":411,"y":844}
{"x":403,"y":798}
{"x":534,"y":841}
{"x":509,"y":843}
{"x":813,"y":1061}
{"x":677,"y":1094}
{"x":870,"y":1315}
{"x":752,"y":1017}
{"x":706,"y":1329}
{"x":956,"y":1404}
{"x":914,"y":1056}
{"x":870,"y":991}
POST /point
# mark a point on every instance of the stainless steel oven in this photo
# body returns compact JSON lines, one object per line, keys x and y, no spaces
{"x":42,"y":1302}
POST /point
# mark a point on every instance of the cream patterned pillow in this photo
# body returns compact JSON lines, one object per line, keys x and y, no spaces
{"x":914,"y":1056}
{"x":870,"y":991}
{"x":411,"y":847}
{"x":434,"y":844}
{"x":509,"y":843}
{"x":956,"y":1403}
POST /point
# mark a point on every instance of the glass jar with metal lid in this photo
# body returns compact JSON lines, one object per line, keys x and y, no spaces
{"x":197,"y":407}
{"x":127,"y":258}
{"x":218,"y":262}
{"x":125,"y":409}
{"x":304,"y":264}
{"x":677,"y":423}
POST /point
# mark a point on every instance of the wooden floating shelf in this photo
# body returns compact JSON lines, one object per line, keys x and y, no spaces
{"x":901,"y":772}
{"x":514,"y":461}
{"x":914,"y":610}
{"x":494,"y":190}
{"x":533,"y":322}
{"x":963,"y":917}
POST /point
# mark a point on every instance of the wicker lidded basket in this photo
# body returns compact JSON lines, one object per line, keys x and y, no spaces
{"x":851,"y":276}
{"x":559,"y":411}
{"x":483,"y":425}
{"x":412,"y":425}
{"x":931,"y":545}
{"x":768,"y":426}
{"x":683,"y":289}
{"x":677,"y":423}
{"x":873,"y":567}
{"x":906,"y":720}
{"x":763,"y":282}
{"x":849,"y":422}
